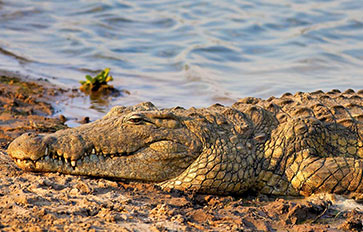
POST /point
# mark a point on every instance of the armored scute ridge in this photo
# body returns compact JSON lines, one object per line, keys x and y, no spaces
{"x":293,"y":145}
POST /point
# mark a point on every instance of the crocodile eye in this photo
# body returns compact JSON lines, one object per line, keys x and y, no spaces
{"x":136,"y":119}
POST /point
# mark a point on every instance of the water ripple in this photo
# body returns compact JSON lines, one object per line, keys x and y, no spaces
{"x":188,"y":52}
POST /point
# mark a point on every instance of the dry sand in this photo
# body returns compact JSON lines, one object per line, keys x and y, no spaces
{"x":57,"y":202}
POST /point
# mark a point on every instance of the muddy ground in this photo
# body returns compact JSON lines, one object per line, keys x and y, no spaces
{"x":57,"y":202}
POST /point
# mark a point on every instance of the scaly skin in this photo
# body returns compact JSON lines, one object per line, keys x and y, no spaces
{"x":294,"y":145}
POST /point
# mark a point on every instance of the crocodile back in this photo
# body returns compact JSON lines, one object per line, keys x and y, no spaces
{"x":333,"y":107}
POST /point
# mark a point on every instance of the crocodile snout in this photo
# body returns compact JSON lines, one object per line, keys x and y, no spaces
{"x":27,"y":146}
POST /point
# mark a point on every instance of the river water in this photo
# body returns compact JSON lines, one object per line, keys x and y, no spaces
{"x":186,"y":52}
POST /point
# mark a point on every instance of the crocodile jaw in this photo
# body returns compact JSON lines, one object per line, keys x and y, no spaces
{"x":154,"y":166}
{"x":136,"y":156}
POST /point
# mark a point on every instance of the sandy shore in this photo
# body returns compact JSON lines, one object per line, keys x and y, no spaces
{"x":57,"y":202}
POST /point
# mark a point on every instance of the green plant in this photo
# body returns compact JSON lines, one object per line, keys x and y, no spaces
{"x":95,"y":83}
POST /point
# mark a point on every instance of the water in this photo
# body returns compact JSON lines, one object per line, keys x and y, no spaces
{"x":188,"y":53}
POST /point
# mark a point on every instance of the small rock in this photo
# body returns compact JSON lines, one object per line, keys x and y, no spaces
{"x":62,"y":118}
{"x":84,"y":120}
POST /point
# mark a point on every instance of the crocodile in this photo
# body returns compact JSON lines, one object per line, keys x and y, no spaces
{"x":293,"y":145}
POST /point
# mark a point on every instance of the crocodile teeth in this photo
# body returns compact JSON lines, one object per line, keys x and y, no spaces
{"x":73,"y":163}
{"x":46,"y":151}
{"x":93,"y":151}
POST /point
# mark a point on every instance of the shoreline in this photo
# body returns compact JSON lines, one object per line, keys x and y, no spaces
{"x":27,"y":106}
{"x":57,"y":202}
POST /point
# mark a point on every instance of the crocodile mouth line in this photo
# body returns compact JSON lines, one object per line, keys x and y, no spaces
{"x":87,"y":157}
{"x":93,"y":156}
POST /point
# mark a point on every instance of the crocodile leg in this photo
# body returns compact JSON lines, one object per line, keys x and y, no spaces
{"x":216,"y":172}
{"x":307,"y":156}
{"x":339,"y":175}
{"x":324,"y":161}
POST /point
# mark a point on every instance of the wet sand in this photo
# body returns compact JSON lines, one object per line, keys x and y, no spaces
{"x":57,"y":202}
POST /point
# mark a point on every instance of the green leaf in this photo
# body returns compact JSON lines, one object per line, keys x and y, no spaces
{"x":93,"y":83}
{"x":106,"y":72}
{"x":89,"y":78}
{"x":100,"y":78}
{"x":109,"y":78}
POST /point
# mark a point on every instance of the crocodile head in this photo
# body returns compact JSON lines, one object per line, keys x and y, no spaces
{"x":138,"y":143}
